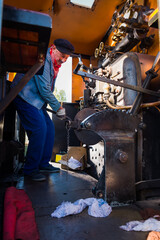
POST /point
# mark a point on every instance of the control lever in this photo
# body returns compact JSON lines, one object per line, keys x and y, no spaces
{"x":150,"y":75}
{"x":79,"y":65}
{"x":64,"y":118}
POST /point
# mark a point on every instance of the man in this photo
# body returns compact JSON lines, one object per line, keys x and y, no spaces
{"x":31,"y":105}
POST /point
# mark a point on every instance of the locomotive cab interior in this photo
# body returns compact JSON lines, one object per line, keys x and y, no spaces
{"x":114,"y":112}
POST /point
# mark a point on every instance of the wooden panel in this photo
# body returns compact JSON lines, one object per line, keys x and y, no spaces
{"x":25,"y":38}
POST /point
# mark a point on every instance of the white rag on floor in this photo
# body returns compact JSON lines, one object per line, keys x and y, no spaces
{"x":97,"y":208}
{"x":151,"y":224}
{"x":71,"y":163}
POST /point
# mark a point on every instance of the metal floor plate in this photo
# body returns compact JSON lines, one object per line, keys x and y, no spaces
{"x":71,"y":186}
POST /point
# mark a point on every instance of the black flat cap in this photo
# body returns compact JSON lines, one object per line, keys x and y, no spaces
{"x":64,"y":46}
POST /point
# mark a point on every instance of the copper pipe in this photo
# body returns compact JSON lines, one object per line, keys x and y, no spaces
{"x":144,"y":105}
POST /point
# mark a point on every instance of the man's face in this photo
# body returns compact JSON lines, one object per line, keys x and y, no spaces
{"x":58,"y":56}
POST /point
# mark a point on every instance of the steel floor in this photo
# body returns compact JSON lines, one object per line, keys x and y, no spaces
{"x":71,"y":186}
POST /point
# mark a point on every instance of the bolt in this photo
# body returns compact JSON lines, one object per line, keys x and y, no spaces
{"x":87,"y":124}
{"x":121,"y":156}
{"x":142,"y":126}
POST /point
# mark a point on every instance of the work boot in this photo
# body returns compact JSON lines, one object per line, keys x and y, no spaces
{"x":36,"y":176}
{"x":49,"y":169}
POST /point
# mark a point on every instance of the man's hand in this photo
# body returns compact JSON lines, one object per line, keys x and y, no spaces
{"x":61,"y":113}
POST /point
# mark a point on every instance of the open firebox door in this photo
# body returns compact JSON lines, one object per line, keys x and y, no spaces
{"x":118,"y":131}
{"x":114,"y":136}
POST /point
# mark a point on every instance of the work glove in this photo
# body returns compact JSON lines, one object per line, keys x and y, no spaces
{"x":61,"y":113}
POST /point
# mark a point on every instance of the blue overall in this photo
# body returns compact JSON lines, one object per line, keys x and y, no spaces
{"x":30,"y":105}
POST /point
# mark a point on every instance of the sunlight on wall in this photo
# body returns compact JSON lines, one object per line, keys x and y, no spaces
{"x":63,"y":86}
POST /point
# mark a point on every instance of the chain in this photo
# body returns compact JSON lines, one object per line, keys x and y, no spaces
{"x":68,"y":140}
{"x":68,"y":127}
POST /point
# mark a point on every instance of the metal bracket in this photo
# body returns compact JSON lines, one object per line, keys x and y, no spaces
{"x":117,"y":83}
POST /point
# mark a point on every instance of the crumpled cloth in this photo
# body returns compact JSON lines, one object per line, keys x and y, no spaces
{"x":71,"y":163}
{"x":151,"y":224}
{"x":97,"y":208}
{"x":153,"y":236}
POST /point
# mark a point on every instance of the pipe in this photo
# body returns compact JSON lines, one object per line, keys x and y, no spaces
{"x":144,"y":105}
{"x":130,"y":41}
